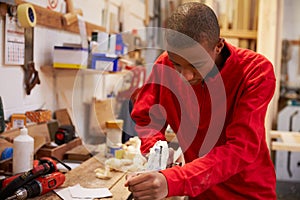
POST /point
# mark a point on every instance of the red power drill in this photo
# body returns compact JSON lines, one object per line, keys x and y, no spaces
{"x":42,"y":167}
{"x":39,"y":186}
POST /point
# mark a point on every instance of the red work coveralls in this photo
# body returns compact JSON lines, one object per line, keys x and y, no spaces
{"x":227,"y":111}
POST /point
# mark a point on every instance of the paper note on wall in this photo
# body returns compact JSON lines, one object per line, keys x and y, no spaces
{"x":14,"y":42}
{"x":82,"y":31}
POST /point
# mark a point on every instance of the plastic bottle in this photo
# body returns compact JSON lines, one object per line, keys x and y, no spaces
{"x":23,"y":147}
{"x":113,"y":137}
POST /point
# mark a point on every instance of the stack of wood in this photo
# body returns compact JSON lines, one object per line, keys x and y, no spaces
{"x":238,"y":20}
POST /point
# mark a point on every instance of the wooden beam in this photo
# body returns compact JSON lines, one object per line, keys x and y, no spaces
{"x":52,"y":19}
{"x":3,"y":9}
{"x":269,"y":37}
{"x":295,"y":42}
{"x":242,"y":34}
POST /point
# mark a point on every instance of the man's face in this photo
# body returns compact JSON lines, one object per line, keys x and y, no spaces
{"x":193,"y":63}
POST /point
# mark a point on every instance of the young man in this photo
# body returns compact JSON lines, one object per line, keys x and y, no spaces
{"x":215,"y":97}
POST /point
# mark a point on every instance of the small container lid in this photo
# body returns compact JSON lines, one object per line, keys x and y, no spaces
{"x":118,"y":123}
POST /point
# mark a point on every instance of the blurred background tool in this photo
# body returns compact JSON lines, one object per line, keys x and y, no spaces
{"x":64,"y":134}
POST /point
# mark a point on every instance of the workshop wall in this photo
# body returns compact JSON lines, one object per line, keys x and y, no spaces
{"x":12,"y":91}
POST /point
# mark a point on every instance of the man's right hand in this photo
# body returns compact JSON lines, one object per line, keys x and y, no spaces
{"x":147,"y":185}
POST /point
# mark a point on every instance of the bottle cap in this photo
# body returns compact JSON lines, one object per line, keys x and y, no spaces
{"x":7,"y":153}
{"x":24,"y":131}
{"x":114,"y":124}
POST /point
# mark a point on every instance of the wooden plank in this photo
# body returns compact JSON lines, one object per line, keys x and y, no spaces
{"x":52,"y":19}
{"x":285,"y":147}
{"x":79,"y":153}
{"x":269,"y":44}
{"x":245,"y":21}
{"x":286,"y":141}
{"x":277,"y":134}
{"x":119,"y":191}
{"x":243,"y":34}
{"x":235,"y":14}
{"x":291,"y":138}
{"x":59,"y":151}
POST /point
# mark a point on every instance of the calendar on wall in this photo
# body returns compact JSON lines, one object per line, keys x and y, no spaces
{"x":14,"y":42}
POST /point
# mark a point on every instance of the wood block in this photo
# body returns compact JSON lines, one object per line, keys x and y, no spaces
{"x":63,"y":117}
{"x":39,"y":130}
{"x":79,"y":153}
{"x":52,"y":127}
{"x":39,"y":141}
{"x":58,"y":151}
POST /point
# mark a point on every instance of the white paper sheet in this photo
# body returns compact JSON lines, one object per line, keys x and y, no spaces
{"x":77,"y":192}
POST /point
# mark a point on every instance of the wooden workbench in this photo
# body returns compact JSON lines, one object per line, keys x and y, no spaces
{"x":85,"y":176}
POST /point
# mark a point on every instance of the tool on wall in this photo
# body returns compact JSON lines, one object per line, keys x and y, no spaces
{"x":27,"y":19}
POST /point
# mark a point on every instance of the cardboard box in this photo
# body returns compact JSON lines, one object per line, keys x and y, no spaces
{"x":104,"y":62}
{"x":18,"y":120}
{"x":70,"y":57}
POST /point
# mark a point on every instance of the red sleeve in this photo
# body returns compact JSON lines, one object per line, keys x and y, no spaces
{"x":245,"y":136}
{"x":150,"y":118}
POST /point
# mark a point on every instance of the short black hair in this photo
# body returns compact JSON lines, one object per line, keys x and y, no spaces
{"x":195,"y":20}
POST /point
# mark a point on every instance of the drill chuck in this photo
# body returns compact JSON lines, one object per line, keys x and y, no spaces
{"x":20,"y":194}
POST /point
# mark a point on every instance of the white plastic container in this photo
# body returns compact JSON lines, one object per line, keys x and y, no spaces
{"x":113,"y":137}
{"x":23,"y":147}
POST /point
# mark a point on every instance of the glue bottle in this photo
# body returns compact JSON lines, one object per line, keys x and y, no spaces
{"x":23,"y":147}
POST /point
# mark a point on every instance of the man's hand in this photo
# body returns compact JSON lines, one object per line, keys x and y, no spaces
{"x":147,"y":185}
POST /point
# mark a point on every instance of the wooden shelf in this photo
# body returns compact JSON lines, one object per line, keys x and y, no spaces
{"x":50,"y":69}
{"x":241,"y":34}
{"x":52,"y":19}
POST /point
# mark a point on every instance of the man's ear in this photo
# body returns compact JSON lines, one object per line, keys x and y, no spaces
{"x":220,"y":46}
